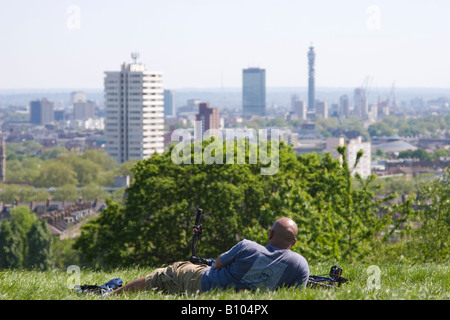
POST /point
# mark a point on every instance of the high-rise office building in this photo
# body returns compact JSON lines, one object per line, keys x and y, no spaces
{"x":322,"y":109}
{"x":41,"y":111}
{"x":169,"y":106}
{"x":253,"y":92}
{"x":344,"y":107}
{"x":363,"y":167}
{"x":298,"y":107}
{"x":360,"y":103}
{"x":77,"y":96}
{"x":208,"y":116}
{"x":311,"y":79}
{"x":83,"y":110}
{"x":134,"y":102}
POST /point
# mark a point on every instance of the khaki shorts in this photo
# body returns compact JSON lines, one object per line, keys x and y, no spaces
{"x":179,"y":277}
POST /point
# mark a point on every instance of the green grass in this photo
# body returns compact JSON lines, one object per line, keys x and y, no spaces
{"x":397,"y":281}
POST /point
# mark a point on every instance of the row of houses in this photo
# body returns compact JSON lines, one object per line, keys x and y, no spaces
{"x":409,"y":168}
{"x":63,"y":218}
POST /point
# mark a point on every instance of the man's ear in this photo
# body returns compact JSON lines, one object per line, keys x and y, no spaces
{"x":270,"y":234}
{"x":295,"y":240}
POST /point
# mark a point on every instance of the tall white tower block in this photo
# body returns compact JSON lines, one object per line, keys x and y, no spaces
{"x":134,"y":101}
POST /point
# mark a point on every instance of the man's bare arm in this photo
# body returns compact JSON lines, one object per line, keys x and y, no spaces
{"x":218,"y":264}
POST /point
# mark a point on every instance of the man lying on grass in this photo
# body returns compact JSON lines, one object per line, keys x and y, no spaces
{"x":247,"y":265}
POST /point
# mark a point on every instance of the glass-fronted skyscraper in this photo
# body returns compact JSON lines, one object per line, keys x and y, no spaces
{"x":169,"y":107}
{"x":41,"y":112}
{"x":253,"y":92}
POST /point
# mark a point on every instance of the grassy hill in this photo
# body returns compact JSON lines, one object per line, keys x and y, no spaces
{"x":396,"y":281}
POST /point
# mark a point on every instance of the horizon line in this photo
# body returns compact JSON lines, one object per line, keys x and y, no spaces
{"x":222,"y":88}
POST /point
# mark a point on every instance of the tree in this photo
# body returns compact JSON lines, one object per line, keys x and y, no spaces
{"x":125,"y":168}
{"x":30,"y":168}
{"x":28,"y":193}
{"x":22,"y":219}
{"x":380,"y":129}
{"x":380,"y":153}
{"x":99,"y":157}
{"x":438,"y":153}
{"x":66,"y":192}
{"x":39,"y":240}
{"x":53,"y":153}
{"x":419,"y":153}
{"x":56,"y":173}
{"x":87,"y":171}
{"x":15,"y":172}
{"x":9,"y":192}
{"x":432,"y":238}
{"x":395,"y":185}
{"x":102,"y":240}
{"x":11,"y":253}
{"x":92,"y":191}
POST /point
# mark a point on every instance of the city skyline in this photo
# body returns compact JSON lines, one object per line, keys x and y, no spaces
{"x":199,"y":43}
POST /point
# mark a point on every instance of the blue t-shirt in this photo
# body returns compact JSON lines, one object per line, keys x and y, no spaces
{"x":249,"y":265}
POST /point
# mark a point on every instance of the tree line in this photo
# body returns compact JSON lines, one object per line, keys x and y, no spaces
{"x":32,"y":173}
{"x":391,"y":125}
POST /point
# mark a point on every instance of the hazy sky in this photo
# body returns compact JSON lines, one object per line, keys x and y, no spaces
{"x":207,"y":43}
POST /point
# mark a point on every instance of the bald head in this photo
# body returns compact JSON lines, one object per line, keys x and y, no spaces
{"x":283,"y":233}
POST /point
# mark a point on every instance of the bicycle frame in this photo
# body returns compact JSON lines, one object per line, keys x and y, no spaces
{"x":197,"y":231}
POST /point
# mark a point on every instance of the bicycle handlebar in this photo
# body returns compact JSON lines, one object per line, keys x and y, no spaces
{"x":198,"y":218}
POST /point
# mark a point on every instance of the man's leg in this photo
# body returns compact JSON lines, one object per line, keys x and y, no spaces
{"x":178,"y":277}
{"x":188,"y":277}
{"x":148,"y":282}
{"x":135,"y":285}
